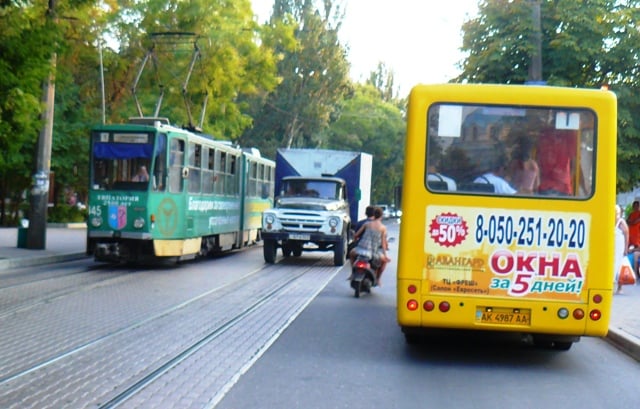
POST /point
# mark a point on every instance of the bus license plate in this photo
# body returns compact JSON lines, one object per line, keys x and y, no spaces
{"x":296,"y":236}
{"x":503,"y":316}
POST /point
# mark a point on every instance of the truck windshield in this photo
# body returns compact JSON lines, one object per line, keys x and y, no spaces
{"x":312,"y":188}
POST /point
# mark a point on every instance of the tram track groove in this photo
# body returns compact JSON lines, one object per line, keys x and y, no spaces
{"x":18,"y":280}
{"x":110,"y":335}
{"x":192,"y":349}
{"x":50,"y":297}
{"x":43,"y":370}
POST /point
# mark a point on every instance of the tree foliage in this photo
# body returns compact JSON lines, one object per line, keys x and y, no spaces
{"x":584,"y":44}
{"x":370,"y":124}
{"x":229,"y":63}
{"x":314,"y":72}
{"x":281,"y":84}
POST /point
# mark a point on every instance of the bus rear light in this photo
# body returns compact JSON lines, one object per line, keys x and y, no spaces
{"x":563,"y":313}
{"x":444,"y":306}
{"x":428,"y":305}
{"x":412,"y":305}
{"x":412,"y":289}
{"x":595,"y":315}
{"x":597,"y":298}
{"x":578,"y":313}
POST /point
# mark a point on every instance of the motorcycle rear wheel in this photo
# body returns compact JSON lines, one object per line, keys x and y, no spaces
{"x":356,"y":288}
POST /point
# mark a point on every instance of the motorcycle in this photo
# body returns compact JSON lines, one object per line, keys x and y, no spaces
{"x":363,"y":276}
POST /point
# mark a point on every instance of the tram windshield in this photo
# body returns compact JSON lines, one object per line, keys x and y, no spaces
{"x":510,"y":150}
{"x":124,"y":160}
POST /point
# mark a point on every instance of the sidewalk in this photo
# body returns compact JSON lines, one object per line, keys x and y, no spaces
{"x":62,"y":243}
{"x":67,"y":242}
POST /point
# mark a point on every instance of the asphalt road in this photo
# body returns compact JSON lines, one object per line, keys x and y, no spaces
{"x":343,"y":352}
{"x":232,"y":332}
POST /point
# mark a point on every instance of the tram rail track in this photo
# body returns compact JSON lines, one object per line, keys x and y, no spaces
{"x":10,"y":295}
{"x":261,"y":291}
{"x":122,"y":397}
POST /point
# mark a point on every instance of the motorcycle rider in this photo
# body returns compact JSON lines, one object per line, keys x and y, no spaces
{"x":372,"y":243}
{"x":369,"y":213}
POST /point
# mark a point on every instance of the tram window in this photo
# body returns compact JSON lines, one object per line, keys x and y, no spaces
{"x":530,"y":150}
{"x":221,"y":163}
{"x":253,"y":179}
{"x":195,"y":156}
{"x":231,"y":185}
{"x":159,"y":173}
{"x":176,"y":160}
{"x":207,"y":171}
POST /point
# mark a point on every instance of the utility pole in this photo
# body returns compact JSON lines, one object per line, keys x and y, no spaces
{"x":36,"y":233}
{"x":535,"y":69}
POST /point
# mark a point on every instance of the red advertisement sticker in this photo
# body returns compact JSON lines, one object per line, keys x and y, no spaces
{"x":448,"y":229}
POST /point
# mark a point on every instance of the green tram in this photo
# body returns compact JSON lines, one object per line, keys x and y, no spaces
{"x":159,"y":191}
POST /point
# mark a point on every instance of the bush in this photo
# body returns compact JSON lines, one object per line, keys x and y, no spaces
{"x":63,"y":213}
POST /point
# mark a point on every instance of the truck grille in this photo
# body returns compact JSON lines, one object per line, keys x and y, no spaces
{"x":301,"y":222}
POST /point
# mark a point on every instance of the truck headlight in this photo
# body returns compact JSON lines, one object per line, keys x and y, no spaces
{"x":333,"y":221}
{"x":269,"y":218}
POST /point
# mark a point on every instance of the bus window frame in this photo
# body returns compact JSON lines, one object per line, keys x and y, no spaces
{"x":582,"y":182}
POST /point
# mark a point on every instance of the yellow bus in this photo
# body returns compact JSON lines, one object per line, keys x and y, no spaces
{"x":508,"y":205}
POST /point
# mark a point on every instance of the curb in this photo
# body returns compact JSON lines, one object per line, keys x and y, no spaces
{"x":625,"y":342}
{"x":20,"y":262}
{"x":81,"y":225}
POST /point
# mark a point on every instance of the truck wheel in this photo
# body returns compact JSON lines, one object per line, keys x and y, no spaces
{"x":340,"y":251}
{"x":269,"y":250}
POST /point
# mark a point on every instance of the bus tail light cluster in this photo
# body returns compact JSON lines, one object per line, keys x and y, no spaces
{"x":428,"y":305}
{"x":595,"y":314}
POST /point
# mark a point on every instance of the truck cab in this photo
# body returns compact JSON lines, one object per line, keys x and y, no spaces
{"x":309,"y":214}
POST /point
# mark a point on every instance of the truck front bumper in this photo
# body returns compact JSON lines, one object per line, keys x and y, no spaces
{"x":303,"y":237}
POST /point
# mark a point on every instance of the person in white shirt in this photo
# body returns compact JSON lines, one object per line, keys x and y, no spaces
{"x":494,"y":177}
{"x":435,"y":176}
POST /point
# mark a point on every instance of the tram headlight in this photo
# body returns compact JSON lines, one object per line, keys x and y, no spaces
{"x":138,"y":223}
{"x":96,"y":221}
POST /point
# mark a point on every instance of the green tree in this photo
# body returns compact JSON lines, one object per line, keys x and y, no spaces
{"x":369,"y":124}
{"x":230,"y":63}
{"x":384,"y":80}
{"x":314,"y":74}
{"x":584,"y":44}
{"x":29,"y":41}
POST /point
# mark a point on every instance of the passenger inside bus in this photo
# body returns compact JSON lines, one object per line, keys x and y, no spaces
{"x":495,"y":176}
{"x":523,"y":171}
{"x":556,"y":154}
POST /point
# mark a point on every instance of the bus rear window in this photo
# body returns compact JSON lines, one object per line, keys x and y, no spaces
{"x":510,"y":150}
